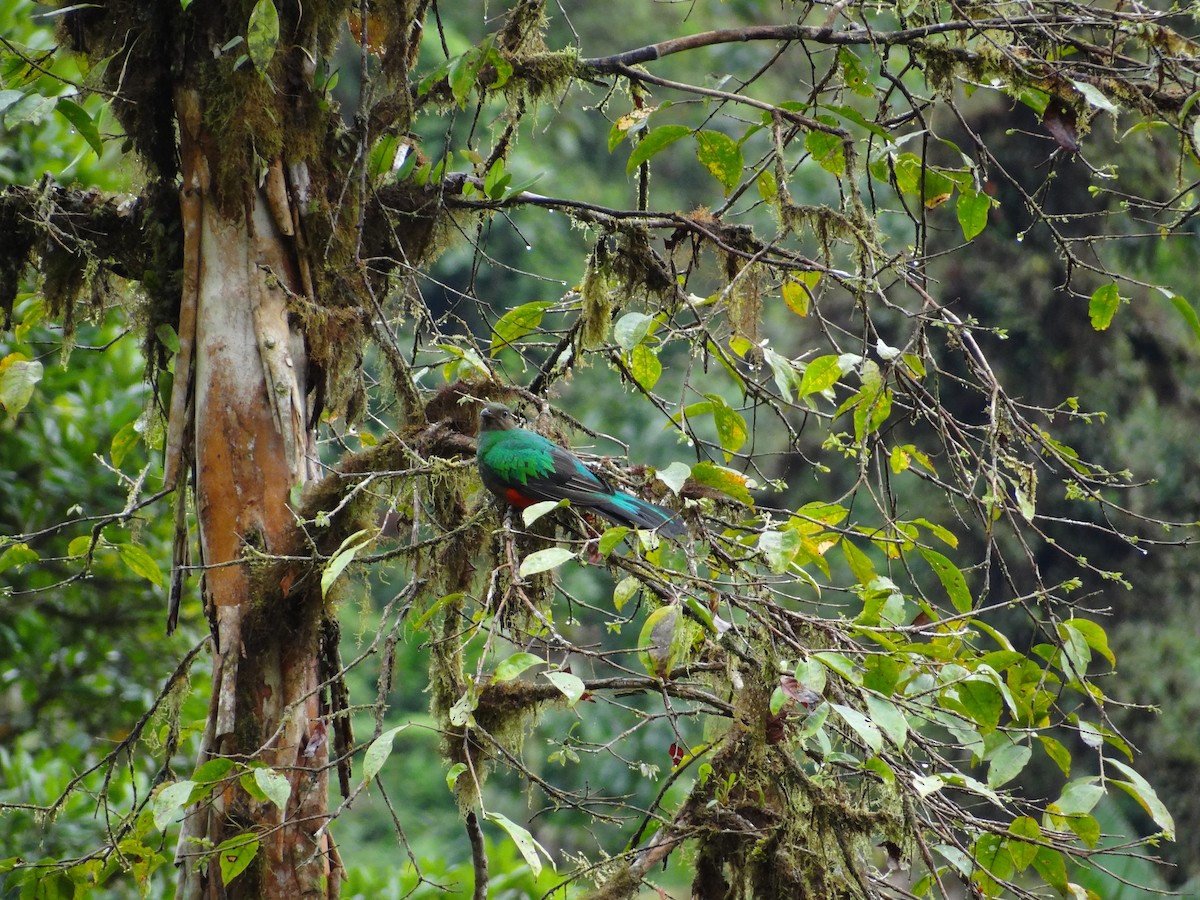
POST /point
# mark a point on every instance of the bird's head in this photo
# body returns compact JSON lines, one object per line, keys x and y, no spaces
{"x":497,"y":417}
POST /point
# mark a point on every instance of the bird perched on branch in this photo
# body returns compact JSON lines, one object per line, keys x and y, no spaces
{"x":522,"y":468}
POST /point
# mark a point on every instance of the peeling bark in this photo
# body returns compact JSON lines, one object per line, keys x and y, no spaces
{"x":252,"y":445}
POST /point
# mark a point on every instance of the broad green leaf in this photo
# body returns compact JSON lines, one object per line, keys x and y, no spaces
{"x":572,"y":686}
{"x":867,"y":731}
{"x":1182,"y":305}
{"x":1023,"y":851}
{"x":1078,"y":797}
{"x":543,"y":560}
{"x":1095,"y":636}
{"x":235,"y":854}
{"x":18,"y":555}
{"x":262,"y":34}
{"x":611,"y":538}
{"x":78,"y":116}
{"x":768,"y":189}
{"x":1140,"y":790}
{"x":819,"y":375}
{"x":727,"y":481}
{"x":531,"y":514}
{"x":1007,"y":763}
{"x":123,"y":441}
{"x":860,"y":564}
{"x":140,"y":563}
{"x":659,"y":644}
{"x":1050,"y":865}
{"x":1095,"y":97}
{"x":524,"y":840}
{"x":827,"y":149}
{"x":951,"y":578}
{"x":18,"y":376}
{"x":854,"y":73}
{"x":378,"y":752}
{"x":981,"y":702}
{"x":655,"y":140}
{"x":645,"y":367}
{"x":836,"y":662}
{"x":518,"y":322}
{"x":169,"y":801}
{"x":514,"y":665}
{"x":782,"y":371}
{"x":1103,"y":306}
{"x":343,"y":557}
{"x":731,"y":428}
{"x":626,"y":588}
{"x":972,"y":208}
{"x":213,"y":771}
{"x":631,"y":329}
{"x":275,"y":785}
{"x":674,"y":476}
{"x":779,"y":548}
{"x":890,"y":720}
{"x":722,"y":156}
{"x":452,"y":775}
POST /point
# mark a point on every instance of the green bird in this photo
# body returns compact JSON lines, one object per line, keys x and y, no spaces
{"x":522,"y":468}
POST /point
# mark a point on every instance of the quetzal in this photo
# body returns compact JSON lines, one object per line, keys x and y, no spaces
{"x":522,"y":468}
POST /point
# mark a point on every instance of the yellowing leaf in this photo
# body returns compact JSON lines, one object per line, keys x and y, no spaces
{"x":722,"y":156}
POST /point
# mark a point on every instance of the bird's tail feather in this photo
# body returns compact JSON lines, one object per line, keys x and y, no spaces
{"x":626,"y":509}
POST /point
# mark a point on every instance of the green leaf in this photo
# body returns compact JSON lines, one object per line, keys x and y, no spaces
{"x":235,"y":854}
{"x":452,"y":775}
{"x":655,"y":140}
{"x":1184,"y":307}
{"x":779,"y":548}
{"x":531,"y":514}
{"x":1095,"y":97}
{"x":826,"y":148}
{"x":379,"y":751}
{"x":645,"y":367}
{"x":572,"y":686}
{"x":1057,"y":752}
{"x":1095,"y":637}
{"x":727,"y":481}
{"x":981,"y":702}
{"x":17,"y":555}
{"x":1007,"y":763}
{"x":18,"y":376}
{"x":611,"y":538}
{"x":524,"y":840}
{"x":1139,"y":789}
{"x":543,"y":560}
{"x":140,"y":563}
{"x":674,"y":476}
{"x":343,"y":557}
{"x":169,"y":801}
{"x":631,"y":329}
{"x":1103,"y":306}
{"x":275,"y":785}
{"x":516,"y":664}
{"x":518,"y":322}
{"x":867,"y":731}
{"x":860,"y":564}
{"x":731,"y":427}
{"x":262,"y":34}
{"x":1050,"y":865}
{"x":1023,"y":851}
{"x":626,"y":588}
{"x":722,"y":156}
{"x":951,"y":578}
{"x":972,"y":208}
{"x":819,"y":375}
{"x":213,"y":771}
{"x":890,"y":720}
{"x":78,"y":116}
{"x":123,"y":441}
{"x":836,"y":662}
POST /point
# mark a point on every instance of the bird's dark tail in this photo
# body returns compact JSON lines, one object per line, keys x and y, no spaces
{"x":625,"y":509}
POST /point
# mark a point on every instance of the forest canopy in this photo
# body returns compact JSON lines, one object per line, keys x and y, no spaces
{"x":877,"y":316}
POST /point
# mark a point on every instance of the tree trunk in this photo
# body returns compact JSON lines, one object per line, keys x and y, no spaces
{"x":252,"y":446}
